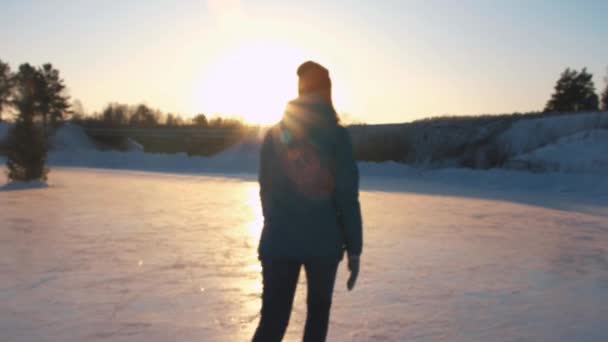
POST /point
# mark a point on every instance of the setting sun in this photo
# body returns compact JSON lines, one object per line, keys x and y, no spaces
{"x":253,"y":80}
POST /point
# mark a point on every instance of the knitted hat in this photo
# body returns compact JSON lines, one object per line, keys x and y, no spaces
{"x":312,"y":77}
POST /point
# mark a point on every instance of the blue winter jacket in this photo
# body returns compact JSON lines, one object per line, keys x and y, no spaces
{"x":309,"y":186}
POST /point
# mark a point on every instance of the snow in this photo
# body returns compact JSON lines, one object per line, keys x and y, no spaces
{"x":585,"y":151}
{"x":134,"y":146}
{"x":530,"y":134}
{"x":71,"y":137}
{"x":75,"y":149}
{"x":582,"y":152}
{"x":574,"y":143}
{"x":451,"y":255}
{"x":17,"y":186}
{"x":474,"y":141}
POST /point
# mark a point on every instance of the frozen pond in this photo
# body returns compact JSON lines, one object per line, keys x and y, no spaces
{"x":126,"y":256}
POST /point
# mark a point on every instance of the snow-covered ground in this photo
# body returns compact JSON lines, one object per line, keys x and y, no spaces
{"x":527,"y":135}
{"x":451,"y":254}
{"x":135,"y":256}
{"x":580,"y":152}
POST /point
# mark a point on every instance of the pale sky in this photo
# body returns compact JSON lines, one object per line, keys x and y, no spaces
{"x":390,"y":60}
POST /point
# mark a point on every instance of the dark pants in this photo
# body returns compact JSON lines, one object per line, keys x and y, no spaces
{"x":280,"y":281}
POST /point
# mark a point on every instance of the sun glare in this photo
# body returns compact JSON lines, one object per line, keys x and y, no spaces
{"x":253,"y":81}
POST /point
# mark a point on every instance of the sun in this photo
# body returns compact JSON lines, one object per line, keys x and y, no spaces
{"x":253,"y":81}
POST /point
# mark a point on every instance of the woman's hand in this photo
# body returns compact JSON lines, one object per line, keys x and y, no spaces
{"x":353,"y":267}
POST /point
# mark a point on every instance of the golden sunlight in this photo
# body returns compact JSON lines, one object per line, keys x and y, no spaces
{"x":257,"y":219}
{"x":252,"y":81}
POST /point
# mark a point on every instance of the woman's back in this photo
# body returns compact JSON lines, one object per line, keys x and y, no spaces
{"x":307,"y":171}
{"x":309,"y":187}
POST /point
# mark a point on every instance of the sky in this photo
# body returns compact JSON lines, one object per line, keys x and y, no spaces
{"x":390,"y":60}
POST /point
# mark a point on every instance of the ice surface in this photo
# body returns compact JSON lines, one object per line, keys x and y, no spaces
{"x":132,"y":256}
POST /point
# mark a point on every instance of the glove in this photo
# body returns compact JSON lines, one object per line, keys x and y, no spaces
{"x":353,"y":267}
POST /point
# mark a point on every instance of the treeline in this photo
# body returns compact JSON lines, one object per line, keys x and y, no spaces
{"x":187,"y":132}
{"x":118,"y":115}
{"x":433,"y":141}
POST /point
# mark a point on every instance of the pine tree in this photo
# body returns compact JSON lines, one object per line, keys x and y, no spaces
{"x":6,"y":87}
{"x":54,"y":100}
{"x":26,"y":145}
{"x":26,"y":152}
{"x":574,"y":92}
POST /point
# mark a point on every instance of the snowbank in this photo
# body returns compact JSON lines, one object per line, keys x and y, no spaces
{"x":14,"y":186}
{"x":70,"y":137}
{"x":537,"y":142}
{"x":581,"y":152}
{"x":570,"y":143}
{"x":134,"y":146}
{"x":527,"y":135}
{"x":72,"y":147}
{"x":180,"y":162}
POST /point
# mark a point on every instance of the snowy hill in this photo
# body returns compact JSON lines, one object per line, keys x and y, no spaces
{"x":484,"y":142}
{"x":71,"y":137}
{"x":585,"y":151}
{"x":576,"y":143}
{"x":527,"y":135}
{"x":72,"y":147}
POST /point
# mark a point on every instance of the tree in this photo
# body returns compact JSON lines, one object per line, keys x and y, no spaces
{"x":77,"y":110}
{"x":144,"y":116}
{"x":26,"y":151}
{"x":29,"y":92}
{"x":604,"y":99}
{"x":27,"y":146}
{"x":173,"y":120}
{"x":200,"y":120}
{"x":115,"y":114}
{"x":55,"y":101}
{"x":574,"y":92}
{"x":6,"y":87}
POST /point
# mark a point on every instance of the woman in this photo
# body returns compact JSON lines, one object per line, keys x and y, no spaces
{"x":309,"y":187}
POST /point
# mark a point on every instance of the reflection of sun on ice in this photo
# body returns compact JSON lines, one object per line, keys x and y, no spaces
{"x":253,"y":81}
{"x":257,"y":218}
{"x":254,"y":227}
